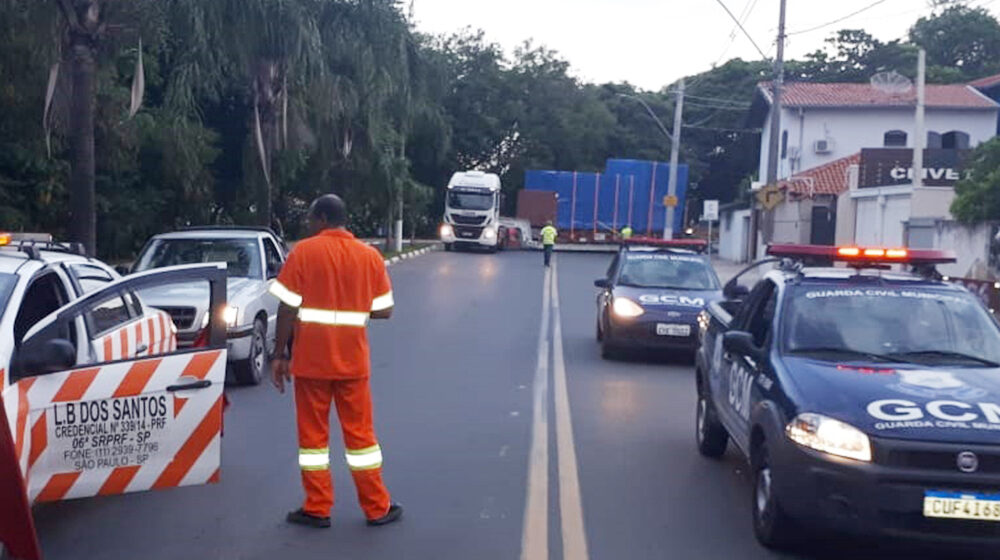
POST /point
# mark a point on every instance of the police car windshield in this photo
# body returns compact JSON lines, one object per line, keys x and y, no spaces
{"x":918,"y":325}
{"x":464,"y":200}
{"x":241,"y":256}
{"x":7,"y":283}
{"x":667,"y":271}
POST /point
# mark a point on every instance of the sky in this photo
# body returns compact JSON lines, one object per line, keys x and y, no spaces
{"x":652,"y":43}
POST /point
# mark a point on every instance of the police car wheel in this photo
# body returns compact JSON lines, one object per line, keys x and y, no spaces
{"x":600,"y":333}
{"x":772,"y":527}
{"x":251,"y":370}
{"x":608,"y":350}
{"x":711,"y":435}
{"x":448,"y":247}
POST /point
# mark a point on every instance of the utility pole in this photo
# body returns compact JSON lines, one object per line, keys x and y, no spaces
{"x":919,"y":140}
{"x":675,"y":148}
{"x":775,"y":133}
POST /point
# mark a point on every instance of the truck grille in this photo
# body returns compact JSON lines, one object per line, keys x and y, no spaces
{"x":468,"y":232}
{"x":183,"y":317}
{"x":468,"y":220}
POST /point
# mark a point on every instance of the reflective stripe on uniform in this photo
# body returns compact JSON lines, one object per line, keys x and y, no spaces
{"x":383,"y":302}
{"x":364,"y":459}
{"x":337,"y":318}
{"x":286,"y":296}
{"x":314,"y":459}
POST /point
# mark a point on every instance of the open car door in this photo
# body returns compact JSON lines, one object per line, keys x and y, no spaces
{"x":86,"y":425}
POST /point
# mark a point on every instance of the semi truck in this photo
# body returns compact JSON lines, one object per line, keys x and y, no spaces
{"x":472,"y":212}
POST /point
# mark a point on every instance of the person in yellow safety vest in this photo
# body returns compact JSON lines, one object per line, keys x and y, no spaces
{"x":627,"y":232}
{"x":549,"y":234}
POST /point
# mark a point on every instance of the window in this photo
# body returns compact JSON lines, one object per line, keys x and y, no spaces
{"x":272,"y":257}
{"x":45,"y":295}
{"x":109,"y":314}
{"x":91,"y":278}
{"x":895,"y":139}
{"x":242,"y":256}
{"x":763,"y":318}
{"x":784,"y":144}
{"x":934,"y":140}
{"x":955,"y":140}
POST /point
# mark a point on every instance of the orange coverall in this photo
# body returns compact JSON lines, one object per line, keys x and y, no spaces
{"x":335,"y":281}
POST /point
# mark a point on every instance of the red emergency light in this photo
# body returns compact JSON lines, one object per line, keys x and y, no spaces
{"x":862,"y":255}
{"x":699,"y":245}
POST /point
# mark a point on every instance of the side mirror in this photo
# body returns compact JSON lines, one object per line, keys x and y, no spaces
{"x":124,"y":270}
{"x":48,"y":357}
{"x":601,"y":283}
{"x":733,"y":290}
{"x":741,"y":342}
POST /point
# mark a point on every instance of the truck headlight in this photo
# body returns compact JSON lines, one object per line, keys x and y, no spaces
{"x":446,"y":230}
{"x":490,"y":233}
{"x":624,"y":307}
{"x":821,"y":433}
{"x":229,"y":315}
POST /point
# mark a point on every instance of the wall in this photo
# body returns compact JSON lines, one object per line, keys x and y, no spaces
{"x":793,"y":221}
{"x":880,"y":218}
{"x":932,"y":202}
{"x":733,"y":231}
{"x":971,"y":245}
{"x":852,"y":129}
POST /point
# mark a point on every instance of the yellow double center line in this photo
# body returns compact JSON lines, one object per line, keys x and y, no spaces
{"x":535,"y":537}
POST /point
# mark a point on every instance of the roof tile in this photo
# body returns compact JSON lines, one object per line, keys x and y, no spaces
{"x":806,"y":94}
{"x":829,"y":178}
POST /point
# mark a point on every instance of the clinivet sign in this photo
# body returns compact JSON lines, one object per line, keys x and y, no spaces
{"x":883,"y":167}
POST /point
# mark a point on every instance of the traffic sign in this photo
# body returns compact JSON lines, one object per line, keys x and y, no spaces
{"x":770,"y":197}
{"x":670,"y":201}
{"x":710,"y":210}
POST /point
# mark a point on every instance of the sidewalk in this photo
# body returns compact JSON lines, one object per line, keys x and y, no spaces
{"x":726,"y":269}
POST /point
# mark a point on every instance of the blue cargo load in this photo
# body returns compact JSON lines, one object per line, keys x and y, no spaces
{"x":629,"y":192}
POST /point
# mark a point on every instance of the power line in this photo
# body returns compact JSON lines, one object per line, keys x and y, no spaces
{"x":718,"y":100}
{"x":717,"y":107}
{"x":715,"y":129}
{"x":838,"y":20}
{"x":744,"y":16}
{"x":740,"y":25}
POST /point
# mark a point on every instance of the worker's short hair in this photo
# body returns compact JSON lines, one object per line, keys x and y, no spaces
{"x":331,"y":209}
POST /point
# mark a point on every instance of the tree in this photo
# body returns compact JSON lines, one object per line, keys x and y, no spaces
{"x":977,"y":194}
{"x":960,"y":37}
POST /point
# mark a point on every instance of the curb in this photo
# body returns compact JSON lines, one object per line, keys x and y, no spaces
{"x":412,"y":254}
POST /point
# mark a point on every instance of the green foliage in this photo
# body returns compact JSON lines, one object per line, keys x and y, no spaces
{"x":977,"y":194}
{"x":963,"y":38}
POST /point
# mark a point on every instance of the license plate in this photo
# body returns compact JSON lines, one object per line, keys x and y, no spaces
{"x":466,"y":234}
{"x":666,"y":329}
{"x":962,"y":505}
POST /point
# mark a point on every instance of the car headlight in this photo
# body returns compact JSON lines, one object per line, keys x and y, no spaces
{"x":490,"y":233}
{"x":624,"y":307}
{"x":229,"y":315}
{"x":446,"y":230}
{"x":821,"y":433}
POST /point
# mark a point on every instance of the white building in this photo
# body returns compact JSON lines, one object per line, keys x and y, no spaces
{"x":870,"y":198}
{"x":821,"y":123}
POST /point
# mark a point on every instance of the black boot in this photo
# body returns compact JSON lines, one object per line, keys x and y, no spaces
{"x":300,"y":517}
{"x":395,"y":512}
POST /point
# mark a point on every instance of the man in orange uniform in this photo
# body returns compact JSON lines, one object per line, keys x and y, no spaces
{"x":329,"y":288}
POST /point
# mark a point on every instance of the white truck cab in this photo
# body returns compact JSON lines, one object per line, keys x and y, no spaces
{"x":472,"y":212}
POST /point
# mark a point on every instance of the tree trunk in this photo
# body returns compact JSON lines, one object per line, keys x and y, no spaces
{"x":83,"y":206}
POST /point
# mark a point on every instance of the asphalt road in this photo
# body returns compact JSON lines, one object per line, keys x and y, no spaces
{"x":502,"y":429}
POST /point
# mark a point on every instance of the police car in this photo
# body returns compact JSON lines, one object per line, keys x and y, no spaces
{"x":98,"y":398}
{"x":867,"y":400}
{"x":652,"y":295}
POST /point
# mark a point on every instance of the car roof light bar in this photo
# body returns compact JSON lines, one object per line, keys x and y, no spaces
{"x":863,"y":255}
{"x":699,"y":245}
